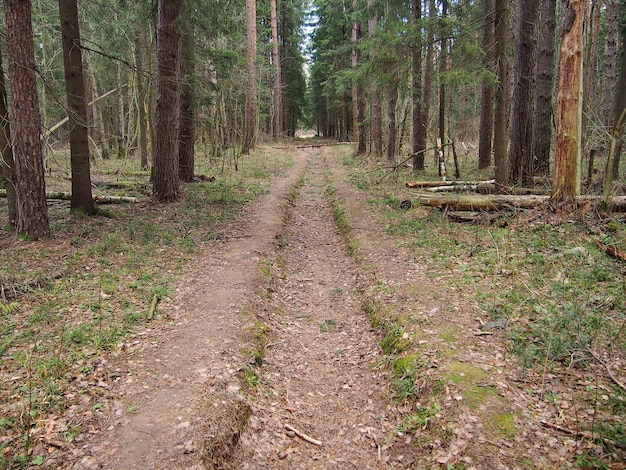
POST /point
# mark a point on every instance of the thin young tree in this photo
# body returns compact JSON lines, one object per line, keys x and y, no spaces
{"x":165,"y":184}
{"x":521,"y":161}
{"x":82,"y":198}
{"x":6,"y":151}
{"x":566,"y":185}
{"x":250,"y":120}
{"x":30,"y":186}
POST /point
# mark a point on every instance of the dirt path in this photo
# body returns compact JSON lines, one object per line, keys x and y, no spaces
{"x":177,"y":401}
{"x":322,"y":373}
{"x":165,"y":378}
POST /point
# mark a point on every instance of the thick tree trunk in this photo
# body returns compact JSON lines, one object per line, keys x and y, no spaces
{"x":620,"y":94}
{"x":521,"y":161}
{"x":6,"y":151}
{"x":501,"y":112}
{"x":611,"y":53}
{"x":443,"y":59}
{"x":429,"y":69}
{"x":250,"y":121}
{"x":30,"y":186}
{"x":566,"y":186}
{"x":186,"y":157}
{"x":375,"y":105}
{"x":418,"y":135}
{"x":485,"y":135}
{"x":276,"y":87}
{"x":165,"y":183}
{"x":542,"y":129}
{"x":356,"y":53}
{"x":82,"y":198}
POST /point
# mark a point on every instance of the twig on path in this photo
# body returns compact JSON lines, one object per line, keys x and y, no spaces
{"x":583,"y":434}
{"x":303,"y":436}
{"x":608,"y":370}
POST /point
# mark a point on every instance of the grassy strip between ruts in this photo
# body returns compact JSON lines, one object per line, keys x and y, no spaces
{"x":70,"y":303}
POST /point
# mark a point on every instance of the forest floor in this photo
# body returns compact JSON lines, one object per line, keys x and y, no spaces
{"x":312,"y":335}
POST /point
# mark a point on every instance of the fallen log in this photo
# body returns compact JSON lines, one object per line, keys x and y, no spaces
{"x":432,"y":184}
{"x":472,"y":202}
{"x":63,"y":196}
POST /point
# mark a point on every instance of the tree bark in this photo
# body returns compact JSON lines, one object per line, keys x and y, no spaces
{"x":542,"y":129}
{"x":611,"y":54}
{"x":443,"y":59}
{"x":429,"y":69}
{"x":30,"y":186}
{"x":375,"y":105}
{"x":418,"y":134}
{"x":165,"y":183}
{"x":186,"y":157}
{"x":82,"y":198}
{"x":566,"y":186}
{"x":250,"y":121}
{"x":485,"y":134}
{"x":501,"y":111}
{"x":521,"y":161}
{"x":6,"y":151}
{"x":276,"y":86}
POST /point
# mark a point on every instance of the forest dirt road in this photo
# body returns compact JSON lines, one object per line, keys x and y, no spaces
{"x":311,"y":339}
{"x":284,"y":283}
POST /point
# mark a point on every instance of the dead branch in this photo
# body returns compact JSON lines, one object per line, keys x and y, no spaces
{"x":611,"y":250}
{"x":608,"y":370}
{"x":584,"y":434}
{"x":472,"y":202}
{"x":153,"y":306}
{"x":303,"y":436}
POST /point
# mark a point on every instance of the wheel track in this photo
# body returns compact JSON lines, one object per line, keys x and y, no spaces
{"x":322,"y":371}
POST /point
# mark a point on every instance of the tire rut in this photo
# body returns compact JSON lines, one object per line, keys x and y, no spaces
{"x":322,"y":372}
{"x":181,"y":373}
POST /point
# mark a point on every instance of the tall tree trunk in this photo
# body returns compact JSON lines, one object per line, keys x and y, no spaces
{"x":443,"y":59}
{"x":612,"y":168}
{"x":276,"y":87}
{"x":418,"y":134}
{"x":521,"y":161}
{"x":82,"y":198}
{"x":611,"y":53}
{"x":566,"y":186}
{"x":30,"y":186}
{"x":6,"y":151}
{"x":542,"y":129}
{"x":376,"y":107}
{"x":141,"y":99}
{"x":429,"y":69}
{"x":501,"y":112}
{"x":486,"y":101}
{"x":186,"y":157}
{"x":165,"y":184}
{"x":250,"y":121}
{"x":358,"y":90}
